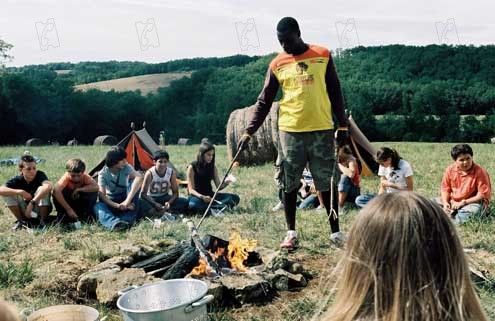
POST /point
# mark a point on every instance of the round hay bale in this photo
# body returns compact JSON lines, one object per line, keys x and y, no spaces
{"x":106,"y":140}
{"x":72,"y":142}
{"x":262,"y":146}
{"x":35,"y":142}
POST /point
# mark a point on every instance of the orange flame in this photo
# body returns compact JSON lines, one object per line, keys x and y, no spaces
{"x":238,"y":250}
{"x":203,"y":268}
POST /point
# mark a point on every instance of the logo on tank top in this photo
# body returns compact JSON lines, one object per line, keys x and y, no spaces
{"x":302,"y":77}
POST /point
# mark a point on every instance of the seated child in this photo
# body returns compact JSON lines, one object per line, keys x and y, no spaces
{"x":157,"y":183}
{"x":466,"y":187}
{"x":404,"y":261}
{"x":308,"y":196}
{"x":117,"y":208}
{"x":74,"y":195}
{"x":200,"y":174}
{"x":395,"y":173}
{"x":349,"y":177}
{"x":28,"y":194}
{"x":311,"y":198}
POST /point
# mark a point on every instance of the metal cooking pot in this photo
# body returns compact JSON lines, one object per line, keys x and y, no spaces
{"x":170,"y":300}
{"x":65,"y":313}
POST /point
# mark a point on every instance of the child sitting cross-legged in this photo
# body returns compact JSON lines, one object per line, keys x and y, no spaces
{"x":119,"y":185}
{"x":158,"y":181}
{"x":75,"y":193}
{"x":404,"y":261}
{"x":28,"y":194}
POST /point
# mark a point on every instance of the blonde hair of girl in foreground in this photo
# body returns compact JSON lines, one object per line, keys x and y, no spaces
{"x":404,"y":262}
{"x":7,"y":312}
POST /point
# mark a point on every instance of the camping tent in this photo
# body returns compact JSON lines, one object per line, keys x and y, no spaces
{"x":363,"y":150}
{"x":139,"y":147}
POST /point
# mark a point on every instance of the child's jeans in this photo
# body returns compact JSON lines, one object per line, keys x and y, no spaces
{"x":196,"y":205}
{"x":109,"y":217}
{"x":179,"y":206}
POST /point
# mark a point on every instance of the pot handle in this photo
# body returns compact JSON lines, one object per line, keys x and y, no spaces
{"x":25,"y":313}
{"x":124,"y":291}
{"x":197,"y":304}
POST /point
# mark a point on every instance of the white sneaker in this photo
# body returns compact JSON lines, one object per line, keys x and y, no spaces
{"x":168,"y":217}
{"x":278,"y":207}
{"x":218,"y":213}
{"x":338,"y":238}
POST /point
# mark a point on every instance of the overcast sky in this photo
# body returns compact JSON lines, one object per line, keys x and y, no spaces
{"x":162,"y":30}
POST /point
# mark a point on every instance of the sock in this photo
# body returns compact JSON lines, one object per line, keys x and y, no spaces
{"x":292,"y":234}
{"x":290,"y":200}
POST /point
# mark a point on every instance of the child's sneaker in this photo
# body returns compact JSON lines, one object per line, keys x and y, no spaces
{"x":121,"y":226}
{"x":19,"y":225}
{"x":77,"y":225}
{"x":168,"y":217}
{"x":218,"y":213}
{"x":278,"y":207}
{"x":338,"y":239}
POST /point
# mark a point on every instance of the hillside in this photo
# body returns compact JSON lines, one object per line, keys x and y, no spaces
{"x":145,"y":83}
{"x":92,"y":71}
{"x":416,"y":82}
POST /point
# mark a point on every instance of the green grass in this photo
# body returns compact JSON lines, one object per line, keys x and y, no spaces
{"x":14,"y":275}
{"x":49,"y":252}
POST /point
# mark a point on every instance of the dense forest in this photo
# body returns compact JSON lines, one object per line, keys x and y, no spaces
{"x":396,"y":92}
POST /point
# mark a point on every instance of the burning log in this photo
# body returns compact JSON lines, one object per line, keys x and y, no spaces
{"x":163,"y":259}
{"x":173,"y":264}
{"x":265,"y":271}
{"x":186,"y":262}
{"x":201,"y":248}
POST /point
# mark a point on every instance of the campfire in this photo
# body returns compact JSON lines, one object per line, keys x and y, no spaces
{"x":230,"y":256}
{"x":237,"y":271}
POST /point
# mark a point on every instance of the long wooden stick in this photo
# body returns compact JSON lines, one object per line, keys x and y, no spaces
{"x":218,"y":187}
{"x":199,"y":245}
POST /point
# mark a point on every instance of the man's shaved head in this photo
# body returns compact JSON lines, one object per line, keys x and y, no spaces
{"x":289,"y":36}
{"x":288,"y":24}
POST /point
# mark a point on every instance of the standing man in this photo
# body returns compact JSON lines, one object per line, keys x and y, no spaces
{"x":311,"y":93}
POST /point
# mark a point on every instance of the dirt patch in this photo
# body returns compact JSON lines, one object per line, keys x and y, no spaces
{"x":298,"y":305}
{"x":58,"y":279}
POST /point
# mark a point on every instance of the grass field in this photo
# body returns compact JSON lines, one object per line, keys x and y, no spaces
{"x":146,"y":83}
{"x":41,"y":269}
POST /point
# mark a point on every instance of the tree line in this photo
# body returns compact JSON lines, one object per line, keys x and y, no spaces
{"x":419,"y":93}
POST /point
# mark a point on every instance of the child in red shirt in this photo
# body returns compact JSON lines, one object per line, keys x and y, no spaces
{"x":74,"y":195}
{"x":466,"y":187}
